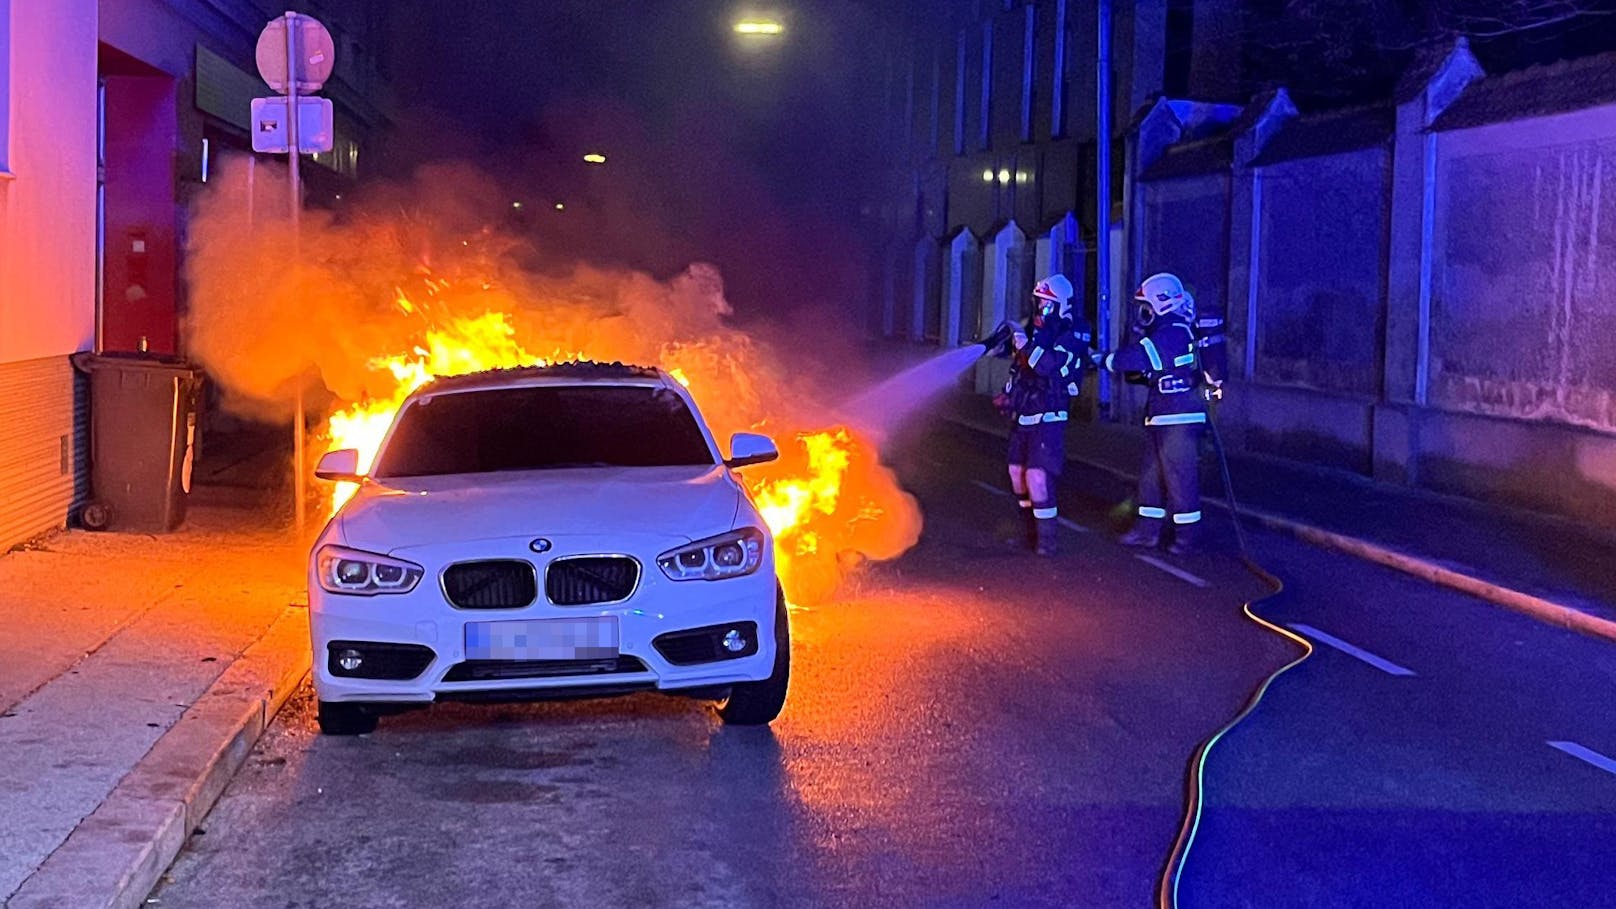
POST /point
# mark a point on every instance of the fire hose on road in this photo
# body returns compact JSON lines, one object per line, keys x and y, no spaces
{"x":1167,"y":889}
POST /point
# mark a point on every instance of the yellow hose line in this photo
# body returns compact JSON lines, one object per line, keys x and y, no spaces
{"x":1167,"y":890}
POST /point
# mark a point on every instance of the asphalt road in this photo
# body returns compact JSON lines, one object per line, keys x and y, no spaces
{"x":1435,"y":751}
{"x":970,"y":726}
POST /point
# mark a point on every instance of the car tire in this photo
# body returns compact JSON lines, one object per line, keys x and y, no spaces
{"x":758,"y":703}
{"x":346,"y":719}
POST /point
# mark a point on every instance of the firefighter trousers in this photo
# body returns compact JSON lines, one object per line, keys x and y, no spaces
{"x":1170,"y":477}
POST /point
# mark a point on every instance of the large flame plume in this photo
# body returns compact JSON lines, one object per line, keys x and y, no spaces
{"x":380,"y":303}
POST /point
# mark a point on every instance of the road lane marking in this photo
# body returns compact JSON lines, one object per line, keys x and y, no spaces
{"x":1587,"y":755}
{"x":1068,"y":523}
{"x":1384,"y":665}
{"x":1174,"y":570}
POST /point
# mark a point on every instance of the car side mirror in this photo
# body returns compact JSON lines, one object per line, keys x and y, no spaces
{"x":748,"y":448}
{"x":341,"y":465}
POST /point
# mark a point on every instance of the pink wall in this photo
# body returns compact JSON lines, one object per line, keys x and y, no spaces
{"x":47,"y":206}
{"x":140,"y":276}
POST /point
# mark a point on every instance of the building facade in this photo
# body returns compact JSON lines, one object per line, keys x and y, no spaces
{"x":993,"y":134}
{"x":177,"y":79}
{"x":112,"y":115}
{"x":992,"y":108}
{"x":47,"y":255}
{"x":1414,"y":284}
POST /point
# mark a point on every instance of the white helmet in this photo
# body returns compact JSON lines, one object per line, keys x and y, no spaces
{"x":1058,"y":290}
{"x":1165,"y":293}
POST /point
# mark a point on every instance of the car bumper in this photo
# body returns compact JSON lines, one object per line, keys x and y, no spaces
{"x":423,"y":626}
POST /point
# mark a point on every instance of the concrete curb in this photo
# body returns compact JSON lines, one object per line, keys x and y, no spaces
{"x":116,"y":856}
{"x":1546,"y":611}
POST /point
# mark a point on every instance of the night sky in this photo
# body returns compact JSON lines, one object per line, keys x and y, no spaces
{"x":730,"y":152}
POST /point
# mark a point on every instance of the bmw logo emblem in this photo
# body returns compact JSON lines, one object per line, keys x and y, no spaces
{"x":540,"y":545}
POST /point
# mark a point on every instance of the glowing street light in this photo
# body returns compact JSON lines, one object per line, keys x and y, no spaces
{"x":594,"y":158}
{"x":759,"y":27}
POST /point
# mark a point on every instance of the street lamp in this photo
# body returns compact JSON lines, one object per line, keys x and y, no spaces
{"x":594,"y":158}
{"x":759,"y":27}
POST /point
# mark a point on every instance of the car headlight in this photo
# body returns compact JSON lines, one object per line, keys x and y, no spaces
{"x":728,"y":555}
{"x":344,"y":570}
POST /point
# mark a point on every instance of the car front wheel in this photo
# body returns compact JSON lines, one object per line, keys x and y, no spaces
{"x":345,"y":719}
{"x":758,"y":703}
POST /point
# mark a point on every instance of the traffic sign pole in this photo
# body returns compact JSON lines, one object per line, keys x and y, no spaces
{"x":294,"y":159}
{"x":304,"y":48}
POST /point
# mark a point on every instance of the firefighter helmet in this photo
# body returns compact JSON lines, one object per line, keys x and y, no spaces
{"x":1164,"y":293}
{"x":1056,"y":290}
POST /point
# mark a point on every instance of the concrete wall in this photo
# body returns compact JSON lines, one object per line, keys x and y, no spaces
{"x":1321,"y":282}
{"x":1435,"y":309}
{"x":1183,"y":228}
{"x":1186,"y":232}
{"x":1523,"y":295}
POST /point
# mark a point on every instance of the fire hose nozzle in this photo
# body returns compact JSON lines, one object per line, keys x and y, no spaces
{"x":999,"y":338}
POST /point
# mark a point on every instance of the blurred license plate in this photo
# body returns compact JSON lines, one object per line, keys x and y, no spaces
{"x":592,"y":638}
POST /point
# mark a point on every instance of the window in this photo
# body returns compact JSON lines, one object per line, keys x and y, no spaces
{"x":907,"y":131}
{"x":986,"y":122}
{"x":544,"y":427}
{"x":1057,"y":103}
{"x":5,"y":88}
{"x":1027,"y":53}
{"x":1179,"y":58}
{"x":934,"y":136}
{"x":959,"y":96}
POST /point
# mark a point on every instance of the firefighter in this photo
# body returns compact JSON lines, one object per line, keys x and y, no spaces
{"x":1164,"y":354}
{"x":1046,"y":372}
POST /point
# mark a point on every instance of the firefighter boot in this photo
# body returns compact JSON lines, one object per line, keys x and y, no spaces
{"x":1186,"y":539}
{"x":1046,"y":530}
{"x":1145,"y":533}
{"x":1031,"y":523}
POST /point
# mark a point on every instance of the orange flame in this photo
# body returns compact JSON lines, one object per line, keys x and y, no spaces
{"x":803,"y":498}
{"x":416,"y":282}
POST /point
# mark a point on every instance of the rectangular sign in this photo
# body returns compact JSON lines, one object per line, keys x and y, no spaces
{"x":316,"y":125}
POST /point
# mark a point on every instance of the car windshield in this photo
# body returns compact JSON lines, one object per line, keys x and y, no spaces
{"x":544,"y":427}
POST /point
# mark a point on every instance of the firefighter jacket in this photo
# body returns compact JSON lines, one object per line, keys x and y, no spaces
{"x":1213,"y":345}
{"x":1167,"y":356}
{"x":1047,"y":373}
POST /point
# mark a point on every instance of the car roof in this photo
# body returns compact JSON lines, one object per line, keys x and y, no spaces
{"x":581,"y":372}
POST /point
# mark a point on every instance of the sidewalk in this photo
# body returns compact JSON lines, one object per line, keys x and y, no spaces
{"x":1552,"y":569}
{"x":136,"y":672}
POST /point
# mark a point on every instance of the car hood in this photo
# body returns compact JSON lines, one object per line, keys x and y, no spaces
{"x":683,"y":502}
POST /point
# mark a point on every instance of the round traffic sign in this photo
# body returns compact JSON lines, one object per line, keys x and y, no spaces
{"x":316,"y":53}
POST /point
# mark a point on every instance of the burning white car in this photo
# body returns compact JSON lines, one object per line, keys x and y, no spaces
{"x":546,"y":532}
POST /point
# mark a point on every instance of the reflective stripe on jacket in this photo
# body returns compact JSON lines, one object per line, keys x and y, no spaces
{"x":1168,"y":358}
{"x":1047,"y":373}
